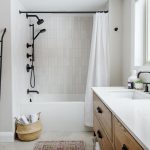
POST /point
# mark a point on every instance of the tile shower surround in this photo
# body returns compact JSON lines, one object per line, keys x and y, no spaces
{"x":62,"y":54}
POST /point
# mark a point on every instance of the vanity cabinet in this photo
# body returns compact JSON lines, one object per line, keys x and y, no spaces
{"x":103,"y":115}
{"x":123,"y":139}
{"x":110,"y":133}
{"x":101,"y":136}
{"x":103,"y":124}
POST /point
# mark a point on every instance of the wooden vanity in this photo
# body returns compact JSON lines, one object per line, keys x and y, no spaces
{"x":110,"y":132}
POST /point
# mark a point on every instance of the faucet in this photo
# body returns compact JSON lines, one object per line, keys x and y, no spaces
{"x":31,"y":91}
{"x":146,"y":84}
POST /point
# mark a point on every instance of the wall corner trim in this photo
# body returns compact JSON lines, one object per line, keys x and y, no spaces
{"x":6,"y":136}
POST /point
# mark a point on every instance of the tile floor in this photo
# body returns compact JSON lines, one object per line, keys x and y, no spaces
{"x":85,"y":136}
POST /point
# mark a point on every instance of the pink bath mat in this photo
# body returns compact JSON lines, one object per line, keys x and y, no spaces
{"x":60,"y":145}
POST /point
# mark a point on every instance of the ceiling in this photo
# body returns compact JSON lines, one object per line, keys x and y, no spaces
{"x":64,"y":5}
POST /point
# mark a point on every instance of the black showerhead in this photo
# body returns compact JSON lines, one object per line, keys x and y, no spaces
{"x":40,"y":21}
{"x":43,"y":30}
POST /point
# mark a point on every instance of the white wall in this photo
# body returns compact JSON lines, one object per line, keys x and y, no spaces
{"x":13,"y":70}
{"x":140,"y":32}
{"x":115,"y":20}
{"x":20,"y":36}
{"x":6,"y":91}
{"x":128,"y":39}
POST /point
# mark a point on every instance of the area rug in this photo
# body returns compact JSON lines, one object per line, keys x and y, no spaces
{"x":60,"y":145}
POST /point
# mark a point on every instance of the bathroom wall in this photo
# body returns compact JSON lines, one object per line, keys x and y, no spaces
{"x":128,"y":39}
{"x":121,"y":42}
{"x":115,"y":20}
{"x":62,"y":54}
{"x":13,"y":70}
{"x":20,"y":36}
{"x":6,"y":91}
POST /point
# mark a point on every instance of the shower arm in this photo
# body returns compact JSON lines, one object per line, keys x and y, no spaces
{"x":32,"y":16}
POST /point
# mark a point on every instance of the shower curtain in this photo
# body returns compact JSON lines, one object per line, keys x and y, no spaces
{"x":98,"y":70}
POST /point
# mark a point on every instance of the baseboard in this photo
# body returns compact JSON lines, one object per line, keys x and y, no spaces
{"x":6,"y":137}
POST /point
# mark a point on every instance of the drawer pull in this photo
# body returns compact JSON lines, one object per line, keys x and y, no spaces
{"x":99,"y":110}
{"x":99,"y":134}
{"x":124,"y":147}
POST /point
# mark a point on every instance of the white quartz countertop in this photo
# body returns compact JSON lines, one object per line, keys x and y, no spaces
{"x":134,"y":114}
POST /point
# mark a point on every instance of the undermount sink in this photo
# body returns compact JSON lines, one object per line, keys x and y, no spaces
{"x":134,"y":95}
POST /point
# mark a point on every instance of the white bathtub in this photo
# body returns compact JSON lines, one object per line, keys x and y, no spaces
{"x":58,"y":112}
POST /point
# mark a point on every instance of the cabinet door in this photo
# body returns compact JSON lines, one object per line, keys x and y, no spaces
{"x":104,"y":115}
{"x":101,"y":136}
{"x":123,"y":139}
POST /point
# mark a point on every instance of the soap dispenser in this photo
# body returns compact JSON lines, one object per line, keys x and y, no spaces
{"x":132,"y":78}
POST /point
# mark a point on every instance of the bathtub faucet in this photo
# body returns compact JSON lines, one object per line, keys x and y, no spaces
{"x":31,"y":91}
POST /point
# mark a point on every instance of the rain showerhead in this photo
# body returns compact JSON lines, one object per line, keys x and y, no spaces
{"x":40,"y":21}
{"x":41,"y":31}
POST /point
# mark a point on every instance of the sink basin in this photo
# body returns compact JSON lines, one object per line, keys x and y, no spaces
{"x":134,"y":95}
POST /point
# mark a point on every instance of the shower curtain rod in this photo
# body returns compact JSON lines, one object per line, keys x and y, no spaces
{"x":62,"y":12}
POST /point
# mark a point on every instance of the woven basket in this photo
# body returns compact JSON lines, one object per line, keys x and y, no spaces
{"x":29,"y":132}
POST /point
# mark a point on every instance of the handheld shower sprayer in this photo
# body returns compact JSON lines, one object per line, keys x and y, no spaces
{"x":41,"y":31}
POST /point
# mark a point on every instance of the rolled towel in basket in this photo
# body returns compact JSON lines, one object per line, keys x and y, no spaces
{"x":24,"y":120}
{"x":34,"y":118}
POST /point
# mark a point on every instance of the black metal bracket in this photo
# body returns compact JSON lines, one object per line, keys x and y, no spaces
{"x":1,"y":55}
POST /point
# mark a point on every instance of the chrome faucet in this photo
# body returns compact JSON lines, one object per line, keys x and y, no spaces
{"x":146,"y":84}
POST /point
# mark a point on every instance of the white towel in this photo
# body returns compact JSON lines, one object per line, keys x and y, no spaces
{"x":34,"y":118}
{"x":24,"y":119}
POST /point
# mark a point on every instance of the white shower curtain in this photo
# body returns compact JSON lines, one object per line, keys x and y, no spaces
{"x":98,"y":71}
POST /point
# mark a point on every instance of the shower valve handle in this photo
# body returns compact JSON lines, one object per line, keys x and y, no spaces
{"x":28,"y":55}
{"x":28,"y":67}
{"x":28,"y":45}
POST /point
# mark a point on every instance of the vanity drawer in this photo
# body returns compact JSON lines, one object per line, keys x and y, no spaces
{"x":123,"y":139}
{"x":101,"y":136}
{"x":103,"y":115}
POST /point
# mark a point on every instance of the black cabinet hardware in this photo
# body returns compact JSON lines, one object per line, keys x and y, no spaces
{"x":99,"y":134}
{"x":99,"y":110}
{"x":124,"y":147}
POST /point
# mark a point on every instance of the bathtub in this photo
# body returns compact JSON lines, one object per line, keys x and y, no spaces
{"x":58,"y":112}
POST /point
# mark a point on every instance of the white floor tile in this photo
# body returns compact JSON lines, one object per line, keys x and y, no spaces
{"x":87,"y":137}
